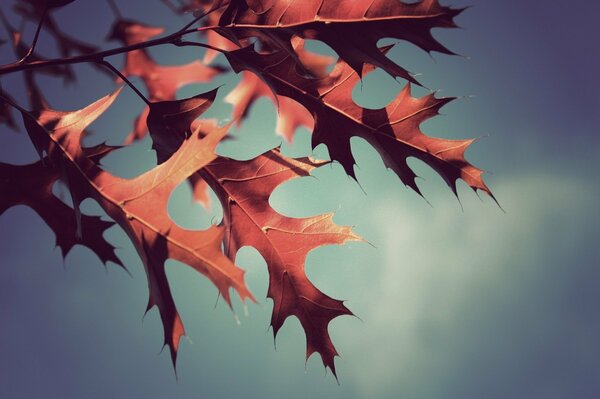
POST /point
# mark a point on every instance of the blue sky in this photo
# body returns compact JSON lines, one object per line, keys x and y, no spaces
{"x":456,"y":300}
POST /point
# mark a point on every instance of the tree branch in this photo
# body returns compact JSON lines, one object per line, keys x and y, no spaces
{"x":174,"y":38}
{"x":35,"y":38}
{"x":114,"y":8}
{"x":124,"y":79}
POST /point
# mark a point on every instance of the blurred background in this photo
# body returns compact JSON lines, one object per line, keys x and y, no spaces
{"x":455,"y":299}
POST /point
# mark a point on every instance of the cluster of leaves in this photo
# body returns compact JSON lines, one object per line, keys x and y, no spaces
{"x":264,"y":41}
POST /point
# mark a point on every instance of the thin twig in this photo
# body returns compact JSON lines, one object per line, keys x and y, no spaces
{"x":119,"y":74}
{"x":95,"y":57}
{"x":115,"y":9}
{"x":182,"y":43}
{"x":35,"y":38}
{"x":199,"y":17}
{"x":193,"y":21}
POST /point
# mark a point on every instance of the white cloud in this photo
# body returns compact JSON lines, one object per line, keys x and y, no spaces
{"x":441,"y":267}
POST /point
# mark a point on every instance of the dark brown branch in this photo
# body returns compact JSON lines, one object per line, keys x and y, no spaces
{"x":124,"y":79}
{"x":35,"y":38}
{"x":199,"y":17}
{"x":183,"y":43}
{"x":173,"y":38}
{"x":114,"y":9}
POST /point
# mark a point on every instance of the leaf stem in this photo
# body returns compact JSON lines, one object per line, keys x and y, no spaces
{"x":192,"y":22}
{"x":124,"y":78}
{"x":182,"y":43}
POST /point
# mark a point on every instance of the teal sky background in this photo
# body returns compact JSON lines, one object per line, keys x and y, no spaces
{"x":455,"y":300}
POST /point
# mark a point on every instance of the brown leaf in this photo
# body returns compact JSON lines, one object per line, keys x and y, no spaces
{"x":393,"y":131}
{"x":200,"y":191}
{"x":213,"y":38}
{"x":244,"y":188}
{"x":290,"y":115}
{"x":351,"y":28}
{"x":31,"y":185}
{"x":162,"y":82}
{"x":170,"y":122}
{"x":139,"y":206}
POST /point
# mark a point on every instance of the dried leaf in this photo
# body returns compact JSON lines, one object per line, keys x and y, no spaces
{"x":31,"y":185}
{"x":139,"y":206}
{"x":162,"y":82}
{"x":290,"y":115}
{"x":282,"y":70}
{"x":170,"y":122}
{"x":393,"y":131}
{"x":244,"y":188}
{"x":351,"y":28}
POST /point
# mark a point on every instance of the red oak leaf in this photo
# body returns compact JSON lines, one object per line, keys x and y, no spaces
{"x":394,"y":131}
{"x":290,"y":115}
{"x":139,"y":206}
{"x":244,"y":188}
{"x":264,"y":40}
{"x":162,"y":82}
{"x":31,"y":185}
{"x":170,"y":122}
{"x":351,"y":28}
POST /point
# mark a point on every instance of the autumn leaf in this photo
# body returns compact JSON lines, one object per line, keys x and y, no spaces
{"x":170,"y":122}
{"x":200,"y":190}
{"x":290,"y":114}
{"x":244,"y":188}
{"x":31,"y":185}
{"x":264,"y":41}
{"x":351,"y":28}
{"x":162,"y":82}
{"x":394,"y":131}
{"x":139,"y":206}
